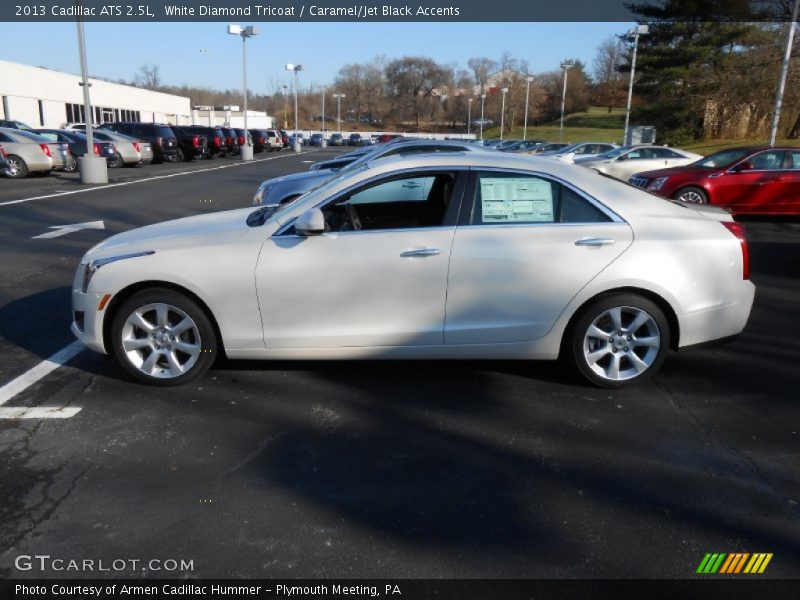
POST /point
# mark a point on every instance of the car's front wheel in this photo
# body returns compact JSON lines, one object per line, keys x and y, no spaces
{"x":161,"y":337}
{"x":618,"y":340}
{"x":691,"y":195}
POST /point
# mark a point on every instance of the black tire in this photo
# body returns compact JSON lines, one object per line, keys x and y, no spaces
{"x":116,"y":161}
{"x":204,"y":330}
{"x":179,"y":156}
{"x":697,"y":195}
{"x":72,"y":165}
{"x":578,"y":345}
{"x":17,"y":168}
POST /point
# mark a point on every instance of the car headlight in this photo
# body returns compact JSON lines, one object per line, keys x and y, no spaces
{"x":93,"y":266}
{"x":657,"y":183}
{"x":260,"y":193}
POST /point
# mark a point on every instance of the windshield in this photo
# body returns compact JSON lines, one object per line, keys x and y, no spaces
{"x":721,"y":159}
{"x":318,"y":190}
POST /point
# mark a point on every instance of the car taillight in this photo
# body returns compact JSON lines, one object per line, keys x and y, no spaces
{"x":96,"y":149}
{"x":195,"y":141}
{"x":241,"y":140}
{"x":46,"y":149}
{"x":2,"y":152}
{"x":217,"y":141}
{"x":137,"y":147}
{"x":158,"y":141}
{"x":738,"y":231}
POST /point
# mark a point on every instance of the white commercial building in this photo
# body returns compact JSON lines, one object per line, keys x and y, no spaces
{"x":231,"y":116}
{"x":44,"y":98}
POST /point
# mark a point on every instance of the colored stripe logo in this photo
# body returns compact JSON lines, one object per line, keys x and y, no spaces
{"x":735,"y":563}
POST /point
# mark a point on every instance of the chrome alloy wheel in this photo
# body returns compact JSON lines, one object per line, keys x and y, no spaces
{"x":621,"y":343}
{"x":14,"y":168}
{"x":691,"y":197}
{"x":161,"y":340}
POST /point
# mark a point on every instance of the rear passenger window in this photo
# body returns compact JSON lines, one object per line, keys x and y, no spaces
{"x":505,"y":198}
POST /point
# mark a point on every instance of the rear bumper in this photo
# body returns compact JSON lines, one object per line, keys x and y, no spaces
{"x":718,"y":322}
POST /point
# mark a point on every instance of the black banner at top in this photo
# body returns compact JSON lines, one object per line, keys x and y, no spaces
{"x":391,"y":10}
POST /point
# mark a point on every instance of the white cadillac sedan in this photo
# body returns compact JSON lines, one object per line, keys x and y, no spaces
{"x":626,"y":161}
{"x":448,"y":256}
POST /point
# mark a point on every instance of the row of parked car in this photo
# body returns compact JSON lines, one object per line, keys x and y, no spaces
{"x":753,"y":180}
{"x":25,"y":150}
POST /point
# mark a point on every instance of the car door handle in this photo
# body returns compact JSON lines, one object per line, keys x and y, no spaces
{"x":420,"y":252}
{"x":595,"y":242}
{"x":411,"y":185}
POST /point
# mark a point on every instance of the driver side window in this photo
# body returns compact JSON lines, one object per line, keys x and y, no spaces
{"x":411,"y":201}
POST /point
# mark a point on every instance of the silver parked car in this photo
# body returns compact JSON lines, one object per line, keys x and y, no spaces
{"x":288,"y":187}
{"x":470,"y":255}
{"x":128,"y":149}
{"x":28,"y":152}
{"x":580,"y":150}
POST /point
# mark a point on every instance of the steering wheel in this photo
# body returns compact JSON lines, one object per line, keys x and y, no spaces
{"x":352,"y":216}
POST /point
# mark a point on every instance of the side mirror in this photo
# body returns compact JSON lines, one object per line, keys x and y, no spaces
{"x":623,"y":157}
{"x":745,"y":166}
{"x":311,"y":222}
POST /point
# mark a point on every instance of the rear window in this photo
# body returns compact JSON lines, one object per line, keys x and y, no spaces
{"x":163,"y":131}
{"x":28,"y":135}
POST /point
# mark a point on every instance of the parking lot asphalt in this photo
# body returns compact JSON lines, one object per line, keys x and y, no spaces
{"x":404,"y":469}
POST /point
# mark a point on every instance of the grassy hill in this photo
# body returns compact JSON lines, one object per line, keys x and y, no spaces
{"x":598,"y":125}
{"x":595,"y":125}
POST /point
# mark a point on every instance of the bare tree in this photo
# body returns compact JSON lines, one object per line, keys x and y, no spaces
{"x":609,"y":87}
{"x":148,"y":76}
{"x":481,"y":68}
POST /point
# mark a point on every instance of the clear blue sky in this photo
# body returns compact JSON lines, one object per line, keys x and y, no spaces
{"x":203,"y":54}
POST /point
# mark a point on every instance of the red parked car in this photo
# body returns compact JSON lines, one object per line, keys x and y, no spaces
{"x":748,"y":181}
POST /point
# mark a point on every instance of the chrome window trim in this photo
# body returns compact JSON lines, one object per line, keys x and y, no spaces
{"x":615,"y":218}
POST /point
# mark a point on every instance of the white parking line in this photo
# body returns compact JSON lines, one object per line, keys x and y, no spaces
{"x":38,"y":412}
{"x":121,"y":183}
{"x":28,"y":378}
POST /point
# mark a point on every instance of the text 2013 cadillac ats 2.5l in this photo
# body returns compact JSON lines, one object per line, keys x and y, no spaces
{"x":463,"y":255}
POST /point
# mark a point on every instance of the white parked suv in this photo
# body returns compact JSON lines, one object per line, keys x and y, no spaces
{"x":274,"y":140}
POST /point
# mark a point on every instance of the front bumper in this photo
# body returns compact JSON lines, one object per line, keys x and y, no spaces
{"x":87,"y":319}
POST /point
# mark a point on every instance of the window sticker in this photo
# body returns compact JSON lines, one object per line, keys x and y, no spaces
{"x":796,"y":160}
{"x":516,"y":200}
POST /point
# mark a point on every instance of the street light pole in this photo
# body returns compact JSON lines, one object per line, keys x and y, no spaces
{"x":565,"y":66}
{"x":483,"y":101}
{"x":339,"y":111}
{"x":324,"y":139}
{"x":503,"y":112}
{"x":527,"y":97}
{"x":469,"y":113}
{"x":245,"y":32}
{"x":635,"y":33}
{"x":296,"y":69}
{"x":776,"y":115}
{"x":93,"y":168}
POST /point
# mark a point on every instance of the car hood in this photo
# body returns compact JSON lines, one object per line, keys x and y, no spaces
{"x":675,"y":171}
{"x":300,"y":176}
{"x":189,"y":231}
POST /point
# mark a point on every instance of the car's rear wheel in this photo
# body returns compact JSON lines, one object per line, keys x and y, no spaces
{"x":17,"y":169}
{"x":179,"y":156}
{"x":618,"y":340}
{"x":691,"y":195}
{"x":71,"y":166}
{"x":115,"y":162}
{"x":161,"y":337}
